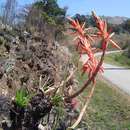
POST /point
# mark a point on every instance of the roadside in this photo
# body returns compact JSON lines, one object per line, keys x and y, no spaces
{"x":115,"y":88}
{"x":109,"y":107}
{"x":118,"y":59}
{"x":115,"y":74}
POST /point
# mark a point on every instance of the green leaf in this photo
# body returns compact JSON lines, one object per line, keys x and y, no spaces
{"x":57,"y":99}
{"x":22,"y":98}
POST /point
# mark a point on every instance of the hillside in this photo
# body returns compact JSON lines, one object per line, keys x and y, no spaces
{"x":115,"y":20}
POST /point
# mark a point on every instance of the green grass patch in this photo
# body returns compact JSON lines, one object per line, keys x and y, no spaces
{"x":109,"y":109}
{"x":118,"y":59}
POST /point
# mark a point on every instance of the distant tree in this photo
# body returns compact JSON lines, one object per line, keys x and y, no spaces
{"x":126,"y":25}
{"x":85,"y":18}
{"x":80,"y":18}
{"x":9,"y":12}
{"x":51,"y":12}
{"x":45,"y":13}
{"x":116,"y":28}
{"x":90,"y":20}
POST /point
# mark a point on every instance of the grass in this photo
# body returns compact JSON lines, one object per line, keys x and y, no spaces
{"x":118,"y":59}
{"x":109,"y":109}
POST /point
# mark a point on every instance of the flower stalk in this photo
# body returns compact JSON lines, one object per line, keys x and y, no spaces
{"x":92,"y":66}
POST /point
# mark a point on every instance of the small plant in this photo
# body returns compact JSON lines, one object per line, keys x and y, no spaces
{"x":22,"y":98}
{"x":56,"y":100}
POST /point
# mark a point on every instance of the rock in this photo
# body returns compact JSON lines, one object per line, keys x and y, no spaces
{"x":4,"y":110}
{"x":1,"y":74}
{"x":41,"y":127}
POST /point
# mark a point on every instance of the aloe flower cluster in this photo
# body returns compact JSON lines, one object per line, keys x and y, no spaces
{"x":84,"y":42}
{"x":104,"y":33}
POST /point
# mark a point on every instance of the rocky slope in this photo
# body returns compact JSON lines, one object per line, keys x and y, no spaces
{"x":29,"y":61}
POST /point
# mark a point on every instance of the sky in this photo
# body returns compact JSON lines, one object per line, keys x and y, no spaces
{"x":102,"y":7}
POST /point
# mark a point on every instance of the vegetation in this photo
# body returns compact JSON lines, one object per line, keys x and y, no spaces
{"x":121,"y":30}
{"x":118,"y":59}
{"x":106,"y":109}
{"x":40,"y":64}
{"x":46,"y":13}
{"x":22,"y":98}
{"x":124,"y":27}
{"x":9,"y":13}
{"x":51,"y":12}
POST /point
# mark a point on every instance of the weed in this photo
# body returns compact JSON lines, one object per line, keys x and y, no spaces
{"x":22,"y":98}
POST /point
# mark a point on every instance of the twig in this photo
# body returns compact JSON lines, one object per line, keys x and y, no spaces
{"x":46,"y":82}
{"x":40,"y":82}
{"x":53,"y":89}
{"x":84,"y":108}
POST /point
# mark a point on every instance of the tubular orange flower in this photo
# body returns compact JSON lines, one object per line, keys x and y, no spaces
{"x":79,"y":28}
{"x":80,"y":31}
{"x":103,"y":33}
